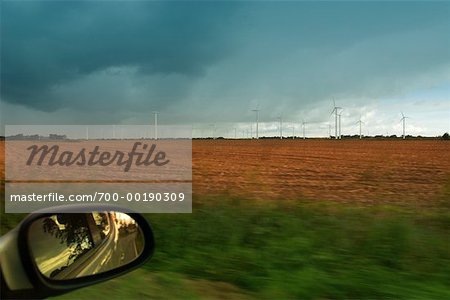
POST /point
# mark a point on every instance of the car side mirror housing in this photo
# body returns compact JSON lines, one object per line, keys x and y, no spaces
{"x":61,"y":252}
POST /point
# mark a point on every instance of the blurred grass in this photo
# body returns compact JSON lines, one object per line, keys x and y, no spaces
{"x":7,"y":221}
{"x":141,"y":284}
{"x":309,"y":250}
{"x":232,"y":248}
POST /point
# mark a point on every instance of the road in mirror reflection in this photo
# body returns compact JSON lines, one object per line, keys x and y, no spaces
{"x":67,"y":246}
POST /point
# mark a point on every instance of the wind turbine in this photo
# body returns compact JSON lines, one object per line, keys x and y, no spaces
{"x":303,"y":127}
{"x":329,"y":131}
{"x":403,"y":120}
{"x":340,"y":127}
{"x":360,"y":122}
{"x":213,"y":131}
{"x":256,"y":110}
{"x":335,"y":111}
{"x":281,"y":126}
{"x":293,"y":130}
{"x":155,"y":113}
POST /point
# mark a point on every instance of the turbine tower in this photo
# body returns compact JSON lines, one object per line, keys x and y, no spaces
{"x":360,"y":122}
{"x":213,"y":131}
{"x":403,"y":119}
{"x":256,"y":110}
{"x":303,"y":127}
{"x":155,"y":113}
{"x":339,"y":123}
{"x":335,"y":111}
{"x":280,"y":118}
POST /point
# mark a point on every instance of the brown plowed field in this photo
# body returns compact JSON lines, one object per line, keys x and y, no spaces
{"x":368,"y":171}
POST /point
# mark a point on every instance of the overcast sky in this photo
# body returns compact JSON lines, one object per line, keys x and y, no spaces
{"x":203,"y":63}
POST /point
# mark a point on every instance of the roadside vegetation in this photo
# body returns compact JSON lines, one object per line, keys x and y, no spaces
{"x":232,"y":248}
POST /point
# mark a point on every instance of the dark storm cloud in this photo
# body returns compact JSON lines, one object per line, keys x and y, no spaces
{"x":46,"y":44}
{"x":106,"y":62}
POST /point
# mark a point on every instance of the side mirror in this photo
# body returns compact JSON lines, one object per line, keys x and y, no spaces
{"x":65,"y":251}
{"x":69,"y":246}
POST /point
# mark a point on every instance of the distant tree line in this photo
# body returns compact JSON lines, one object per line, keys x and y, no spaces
{"x":51,"y":136}
{"x":445,"y":136}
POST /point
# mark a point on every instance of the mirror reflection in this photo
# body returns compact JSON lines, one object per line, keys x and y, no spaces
{"x":67,"y":246}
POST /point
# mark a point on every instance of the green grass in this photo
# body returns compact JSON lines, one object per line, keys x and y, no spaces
{"x":304,"y":250}
{"x":231,"y":248}
{"x":142,"y":284}
{"x":7,"y":221}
